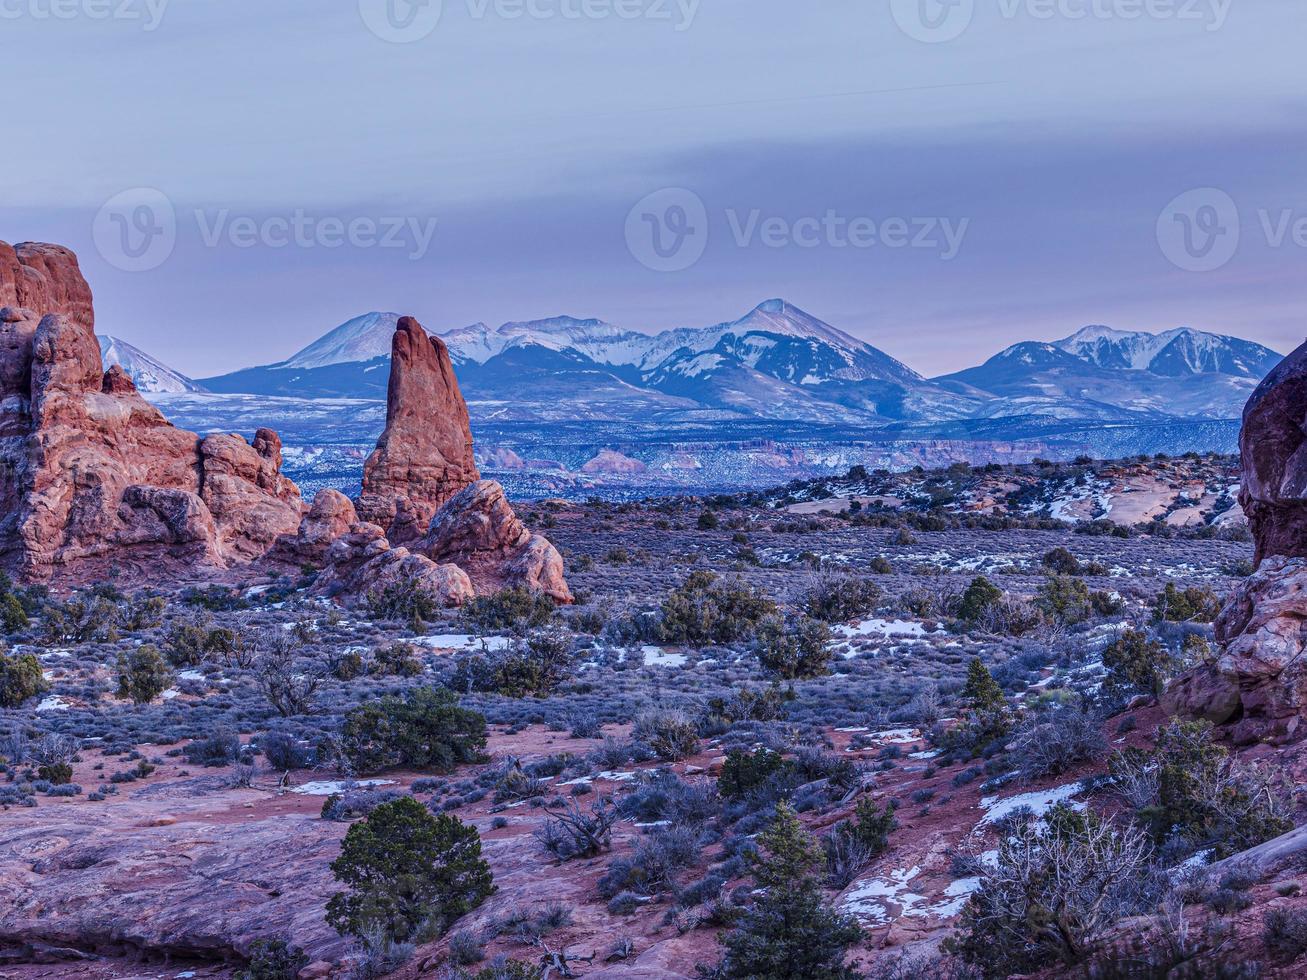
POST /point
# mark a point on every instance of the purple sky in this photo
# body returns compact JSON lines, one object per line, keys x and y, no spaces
{"x":1055,"y":141}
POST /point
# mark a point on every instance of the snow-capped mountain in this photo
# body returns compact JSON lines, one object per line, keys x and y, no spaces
{"x":149,"y":376}
{"x":779,"y":362}
{"x":1100,"y":373}
{"x":1173,"y":353}
{"x":359,"y":339}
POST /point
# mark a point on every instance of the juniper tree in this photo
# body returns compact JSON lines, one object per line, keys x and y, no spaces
{"x":791,"y":932}
{"x":410,"y":873}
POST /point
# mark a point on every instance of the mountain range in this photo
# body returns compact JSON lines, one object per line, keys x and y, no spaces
{"x":776,"y":362}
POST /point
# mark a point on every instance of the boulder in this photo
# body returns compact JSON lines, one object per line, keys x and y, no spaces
{"x":1273,"y":450}
{"x":362,"y":561}
{"x":330,"y":517}
{"x":424,"y":456}
{"x":478,"y":531}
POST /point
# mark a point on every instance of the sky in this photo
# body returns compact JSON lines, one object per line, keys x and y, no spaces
{"x":941,"y":178}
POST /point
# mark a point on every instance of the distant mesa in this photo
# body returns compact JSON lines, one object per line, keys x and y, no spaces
{"x":611,"y":461}
{"x":503,"y":458}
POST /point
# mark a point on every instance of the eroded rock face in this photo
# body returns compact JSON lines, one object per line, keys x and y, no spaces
{"x":330,"y":517}
{"x":361,"y":562}
{"x":1273,"y":450}
{"x":478,"y":531}
{"x":424,"y":456}
{"x":92,"y":476}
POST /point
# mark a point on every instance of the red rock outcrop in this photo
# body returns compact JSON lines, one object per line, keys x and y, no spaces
{"x":361,"y":563}
{"x":1273,"y":451}
{"x":478,"y":531}
{"x":330,"y":517}
{"x":424,"y":456}
{"x":92,"y":476}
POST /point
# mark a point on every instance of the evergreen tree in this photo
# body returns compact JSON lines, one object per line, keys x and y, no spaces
{"x":791,"y":933}
{"x":21,"y":678}
{"x":409,"y":872}
{"x":142,"y":674}
{"x":978,"y":597}
{"x":981,"y":692}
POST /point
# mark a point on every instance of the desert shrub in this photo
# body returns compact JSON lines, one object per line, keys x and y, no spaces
{"x":85,"y":617}
{"x":666,"y":796}
{"x":1052,"y":894}
{"x":750,"y":705}
{"x":1060,"y":561}
{"x":530,"y":668}
{"x":347,"y":665}
{"x":1135,"y":662}
{"x":288,"y":680}
{"x":838,"y":598}
{"x":793,"y":652}
{"x":516,"y":609}
{"x":670,"y":735}
{"x":503,"y":968}
{"x":142,"y":674}
{"x":575,"y":833}
{"x":1284,"y":930}
{"x":1065,"y":600}
{"x":218,"y":748}
{"x":424,"y":730}
{"x":273,"y":959}
{"x":790,"y":930}
{"x":654,"y":864}
{"x":405,"y":601}
{"x":54,"y":754}
{"x":284,"y":752}
{"x":355,"y":803}
{"x":977,"y":599}
{"x":410,"y":873}
{"x":1010,"y":616}
{"x":20,"y":679}
{"x":13,"y":617}
{"x":703,"y":611}
{"x":1191,"y":605}
{"x":466,"y":948}
{"x":1052,"y":743}
{"x":872,"y":825}
{"x":1189,"y":788}
{"x":396,"y":659}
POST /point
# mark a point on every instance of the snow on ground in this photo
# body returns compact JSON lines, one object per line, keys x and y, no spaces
{"x":1040,"y":801}
{"x":882,"y":627}
{"x":609,"y":775}
{"x":658,"y":657}
{"x":52,"y":703}
{"x":462,"y":641}
{"x":871,"y":900}
{"x":325,"y":787}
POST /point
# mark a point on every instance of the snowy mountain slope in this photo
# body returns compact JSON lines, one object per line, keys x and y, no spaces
{"x":778,"y":362}
{"x":1173,"y":353}
{"x":149,"y":375}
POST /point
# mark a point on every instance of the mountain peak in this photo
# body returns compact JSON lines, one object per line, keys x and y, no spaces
{"x":148,"y":374}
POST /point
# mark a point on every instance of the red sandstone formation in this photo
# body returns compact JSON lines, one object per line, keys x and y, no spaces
{"x":478,"y":531}
{"x":1259,"y":683}
{"x":1274,"y":458}
{"x":93,"y":477}
{"x":424,"y":456}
